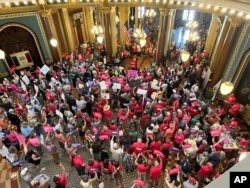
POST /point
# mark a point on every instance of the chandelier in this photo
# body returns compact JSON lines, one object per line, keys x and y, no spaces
{"x":193,"y":36}
{"x":98,"y":32}
{"x":97,"y":29}
{"x":141,"y":36}
{"x":150,"y":13}
{"x":192,"y":24}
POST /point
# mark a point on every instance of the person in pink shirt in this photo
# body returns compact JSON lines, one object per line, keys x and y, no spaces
{"x":142,"y":166}
{"x":35,"y":142}
{"x":60,"y":180}
{"x":156,"y":144}
{"x":78,"y":162}
{"x":107,"y":113}
{"x":139,"y":146}
{"x":60,"y":138}
{"x":205,"y":170}
{"x":123,"y":116}
{"x":155,"y":171}
{"x":179,"y":137}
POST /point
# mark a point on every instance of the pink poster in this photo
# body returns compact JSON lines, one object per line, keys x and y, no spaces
{"x":132,"y":73}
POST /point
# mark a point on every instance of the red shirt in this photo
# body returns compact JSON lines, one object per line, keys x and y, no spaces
{"x":105,"y":132}
{"x":77,"y":161}
{"x":179,"y":138}
{"x":108,"y":114}
{"x":155,"y":145}
{"x":155,"y":172}
{"x":113,"y":127}
{"x":139,"y":147}
{"x":93,"y":168}
{"x":163,"y":127}
{"x":62,"y":180}
{"x":168,"y":145}
{"x":205,"y":171}
{"x":142,"y":168}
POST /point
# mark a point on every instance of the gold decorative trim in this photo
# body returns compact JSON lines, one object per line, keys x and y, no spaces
{"x":24,"y":14}
{"x":237,"y":47}
{"x":30,"y":31}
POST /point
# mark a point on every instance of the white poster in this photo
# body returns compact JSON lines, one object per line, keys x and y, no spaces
{"x":103,"y":85}
{"x":116,"y":86}
{"x":141,"y":91}
{"x":45,"y":69}
{"x":26,"y":80}
{"x":206,"y":79}
{"x":215,"y":89}
{"x":59,"y":113}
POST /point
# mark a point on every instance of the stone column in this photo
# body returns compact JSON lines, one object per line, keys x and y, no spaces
{"x":212,"y":34}
{"x":136,"y":18}
{"x":219,"y":44}
{"x":89,"y":23}
{"x":69,"y":30}
{"x":113,"y":31}
{"x":107,"y":29}
{"x":52,"y":32}
{"x":84,"y":27}
{"x":169,"y":30}
{"x":162,"y":34}
{"x":124,"y":11}
{"x":225,"y":51}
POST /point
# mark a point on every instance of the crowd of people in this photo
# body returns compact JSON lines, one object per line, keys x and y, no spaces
{"x":150,"y":121}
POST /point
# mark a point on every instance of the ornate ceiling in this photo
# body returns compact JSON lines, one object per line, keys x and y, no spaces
{"x":239,"y":8}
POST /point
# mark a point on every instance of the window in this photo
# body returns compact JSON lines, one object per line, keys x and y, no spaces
{"x":188,"y":15}
{"x":141,"y":11}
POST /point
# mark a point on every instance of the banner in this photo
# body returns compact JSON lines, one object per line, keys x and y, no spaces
{"x":215,"y":89}
{"x":21,"y":59}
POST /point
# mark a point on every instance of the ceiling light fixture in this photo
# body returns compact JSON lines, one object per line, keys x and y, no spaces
{"x":33,"y":2}
{"x":53,"y":42}
{"x":200,"y":5}
{"x":208,"y":6}
{"x":2,"y":54}
{"x":248,"y":16}
{"x":240,"y":14}
{"x":226,"y":88}
{"x":16,"y":3}
{"x":178,"y":2}
{"x":232,"y":12}
{"x":224,"y":10}
{"x":171,"y":2}
{"x":193,"y":4}
{"x":216,"y":8}
{"x":25,"y":2}
{"x":164,"y":1}
{"x":186,"y":3}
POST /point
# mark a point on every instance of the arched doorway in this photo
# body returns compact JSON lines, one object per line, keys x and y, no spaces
{"x":18,"y":38}
{"x":242,"y":80}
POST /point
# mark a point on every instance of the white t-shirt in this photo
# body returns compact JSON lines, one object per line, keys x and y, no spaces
{"x":81,"y":104}
{"x":187,"y":184}
{"x":86,"y":184}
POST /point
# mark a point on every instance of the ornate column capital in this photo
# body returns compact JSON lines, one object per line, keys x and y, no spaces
{"x":235,"y":22}
{"x":164,"y":11}
{"x":105,"y":10}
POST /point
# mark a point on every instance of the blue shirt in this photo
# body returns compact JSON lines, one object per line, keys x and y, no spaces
{"x":26,"y":130}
